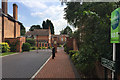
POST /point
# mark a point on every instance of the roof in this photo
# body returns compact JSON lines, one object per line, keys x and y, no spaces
{"x":39,"y":32}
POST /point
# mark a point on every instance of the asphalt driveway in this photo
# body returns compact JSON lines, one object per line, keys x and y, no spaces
{"x":24,"y":65}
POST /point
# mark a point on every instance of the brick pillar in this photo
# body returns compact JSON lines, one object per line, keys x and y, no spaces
{"x":55,"y":44}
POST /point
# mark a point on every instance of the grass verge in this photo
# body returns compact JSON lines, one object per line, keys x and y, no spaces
{"x":7,"y":53}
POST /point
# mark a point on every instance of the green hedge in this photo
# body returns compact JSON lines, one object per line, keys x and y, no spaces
{"x":31,"y":42}
{"x":33,"y":48}
{"x":26,"y":47}
{"x":5,"y":47}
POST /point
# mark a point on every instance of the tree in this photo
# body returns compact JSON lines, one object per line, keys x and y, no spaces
{"x":22,"y":30}
{"x":67,"y":31}
{"x":35,"y":27}
{"x":93,"y":34}
{"x":46,"y":24}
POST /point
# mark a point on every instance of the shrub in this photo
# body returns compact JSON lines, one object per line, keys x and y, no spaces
{"x":33,"y":48}
{"x":49,"y":47}
{"x":31,"y":42}
{"x":26,"y":47}
{"x":60,"y":45}
{"x":71,"y":52}
{"x":5,"y":47}
{"x":43,"y":47}
{"x":13,"y":45}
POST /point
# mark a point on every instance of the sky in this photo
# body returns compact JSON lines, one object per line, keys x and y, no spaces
{"x":33,"y":12}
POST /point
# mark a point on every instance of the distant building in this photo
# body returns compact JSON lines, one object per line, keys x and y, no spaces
{"x":61,"y":39}
{"x":11,"y":26}
{"x":44,"y":38}
{"x":41,"y":36}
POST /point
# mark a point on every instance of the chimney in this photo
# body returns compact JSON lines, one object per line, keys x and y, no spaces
{"x":15,"y":11}
{"x":4,"y":6}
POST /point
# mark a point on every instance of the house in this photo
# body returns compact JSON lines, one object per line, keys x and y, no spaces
{"x":41,"y":36}
{"x":11,"y":26}
{"x":61,"y":39}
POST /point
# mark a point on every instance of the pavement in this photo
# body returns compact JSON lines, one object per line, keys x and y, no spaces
{"x":24,"y":65}
{"x":60,"y":67}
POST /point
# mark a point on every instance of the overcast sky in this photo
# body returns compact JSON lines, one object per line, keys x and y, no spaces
{"x":32,"y":12}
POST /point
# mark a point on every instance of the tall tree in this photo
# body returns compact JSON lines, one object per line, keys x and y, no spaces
{"x":67,"y":30}
{"x":35,"y":27}
{"x":46,"y":24}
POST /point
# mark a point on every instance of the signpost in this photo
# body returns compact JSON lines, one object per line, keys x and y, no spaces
{"x":108,"y":64}
{"x":115,"y":33}
{"x":115,"y":26}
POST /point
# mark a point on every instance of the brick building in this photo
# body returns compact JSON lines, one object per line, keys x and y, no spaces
{"x":11,"y":26}
{"x":41,"y":36}
{"x":61,"y":39}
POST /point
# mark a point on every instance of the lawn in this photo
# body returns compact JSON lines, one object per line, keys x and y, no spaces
{"x":7,"y":53}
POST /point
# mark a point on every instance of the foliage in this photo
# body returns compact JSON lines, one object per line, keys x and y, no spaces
{"x":30,"y":41}
{"x":33,"y":48}
{"x":42,"y":48}
{"x":93,"y":34}
{"x":13,"y":45}
{"x":5,"y":47}
{"x":26,"y":47}
{"x":71,"y":52}
{"x":46,"y":24}
{"x":67,"y":49}
{"x":35,"y":27}
{"x":67,"y":30}
{"x":49,"y":47}
{"x":7,"y":53}
{"x":22,"y":30}
{"x":60,"y":45}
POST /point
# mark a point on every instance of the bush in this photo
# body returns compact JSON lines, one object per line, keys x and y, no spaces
{"x":5,"y":47}
{"x":31,"y":42}
{"x":71,"y":52}
{"x":26,"y":47}
{"x":60,"y":45}
{"x":49,"y":47}
{"x":33,"y":48}
{"x":13,"y":45}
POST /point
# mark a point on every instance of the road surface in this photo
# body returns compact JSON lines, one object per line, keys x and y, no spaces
{"x":24,"y":65}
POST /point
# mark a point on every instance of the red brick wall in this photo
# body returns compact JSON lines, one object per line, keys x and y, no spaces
{"x":19,"y":45}
{"x":0,"y":29}
{"x":8,"y":28}
{"x":17,"y":30}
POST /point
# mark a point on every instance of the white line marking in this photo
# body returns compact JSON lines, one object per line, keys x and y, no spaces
{"x":10,"y":55}
{"x":40,"y":68}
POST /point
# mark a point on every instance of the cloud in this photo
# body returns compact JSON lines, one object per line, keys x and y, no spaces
{"x":45,"y":10}
{"x":55,"y":14}
{"x":34,"y":4}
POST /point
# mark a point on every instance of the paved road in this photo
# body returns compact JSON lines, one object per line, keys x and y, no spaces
{"x":24,"y":65}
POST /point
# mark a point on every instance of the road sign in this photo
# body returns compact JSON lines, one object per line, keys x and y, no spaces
{"x":108,"y":64}
{"x":115,"y":26}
